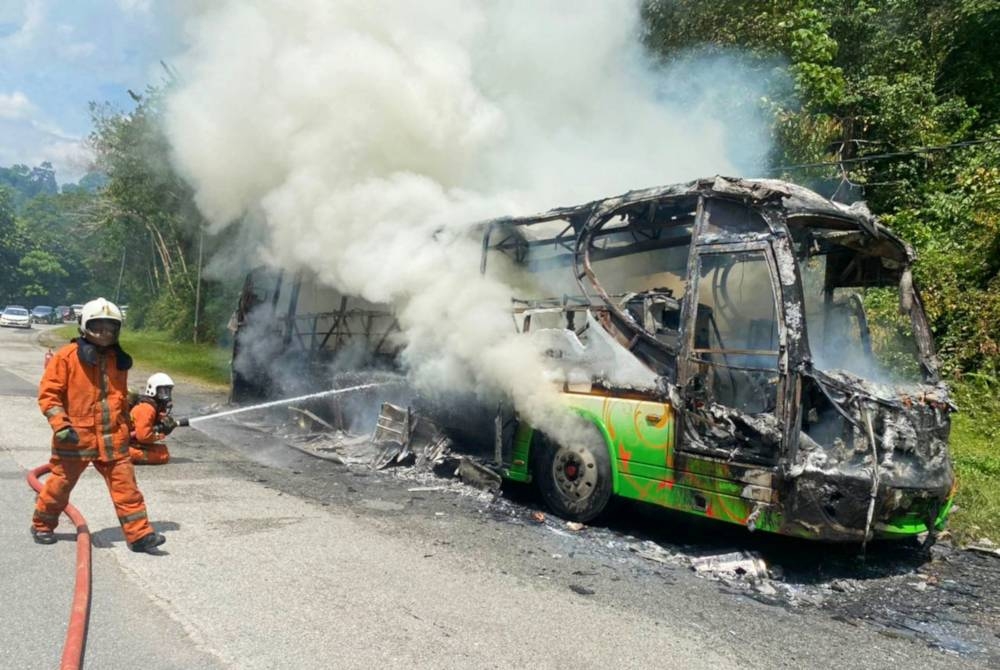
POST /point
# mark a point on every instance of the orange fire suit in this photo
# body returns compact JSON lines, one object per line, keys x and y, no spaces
{"x":84,"y":387}
{"x":145,"y":447}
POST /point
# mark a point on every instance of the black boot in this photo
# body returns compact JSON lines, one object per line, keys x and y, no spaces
{"x":43,"y":536}
{"x":148,"y":543}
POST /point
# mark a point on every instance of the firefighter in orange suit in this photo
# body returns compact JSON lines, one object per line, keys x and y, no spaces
{"x":83,"y":395}
{"x":151,"y":421}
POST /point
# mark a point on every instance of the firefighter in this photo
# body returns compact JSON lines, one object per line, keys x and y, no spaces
{"x":152,"y":422}
{"x":83,"y":396}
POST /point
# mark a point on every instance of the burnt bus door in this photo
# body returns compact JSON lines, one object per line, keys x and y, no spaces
{"x":730,"y":375}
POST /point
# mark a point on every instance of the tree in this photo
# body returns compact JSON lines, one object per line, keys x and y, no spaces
{"x":38,"y":273}
{"x":10,"y":245}
{"x":28,"y":182}
{"x":148,"y":221}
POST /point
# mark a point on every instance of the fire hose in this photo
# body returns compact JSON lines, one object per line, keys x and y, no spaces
{"x":76,"y":632}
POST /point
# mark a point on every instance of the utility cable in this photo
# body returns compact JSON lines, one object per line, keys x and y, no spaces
{"x":894,"y":154}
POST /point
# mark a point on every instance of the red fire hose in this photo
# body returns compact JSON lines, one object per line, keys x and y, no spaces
{"x":76,"y":634}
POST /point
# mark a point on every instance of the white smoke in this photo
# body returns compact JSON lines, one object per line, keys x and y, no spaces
{"x":365,"y":135}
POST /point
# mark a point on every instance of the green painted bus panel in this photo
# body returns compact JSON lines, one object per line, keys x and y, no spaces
{"x":701,"y":502}
{"x":682,"y":478}
{"x":639,"y":431}
{"x":520,"y":466}
{"x":914,"y":524}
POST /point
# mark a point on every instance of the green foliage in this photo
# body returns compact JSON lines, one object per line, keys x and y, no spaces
{"x":26,"y":183}
{"x":974,"y":436}
{"x":38,"y":271}
{"x":892,"y":339}
{"x":45,"y":249}
{"x":955,"y":226}
{"x":150,"y":225}
{"x":804,"y":38}
{"x":11,"y":245}
{"x":160,"y":350}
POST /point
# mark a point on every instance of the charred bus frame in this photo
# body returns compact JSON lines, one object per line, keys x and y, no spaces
{"x":736,"y":420}
{"x":695,"y":330}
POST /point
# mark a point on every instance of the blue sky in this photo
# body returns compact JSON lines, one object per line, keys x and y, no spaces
{"x":56,"y":56}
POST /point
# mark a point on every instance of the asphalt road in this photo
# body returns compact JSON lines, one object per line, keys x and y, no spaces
{"x":276,"y":559}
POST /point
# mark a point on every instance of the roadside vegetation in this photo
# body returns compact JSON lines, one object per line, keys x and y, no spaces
{"x":158,"y":350}
{"x":975,"y":436}
{"x":893,"y":101}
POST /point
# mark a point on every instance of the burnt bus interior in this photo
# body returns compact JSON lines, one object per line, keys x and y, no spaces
{"x":292,"y":334}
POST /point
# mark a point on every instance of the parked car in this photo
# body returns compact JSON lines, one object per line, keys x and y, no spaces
{"x":15,"y":317}
{"x":43,"y":314}
{"x":77,"y":310}
{"x":64,"y":313}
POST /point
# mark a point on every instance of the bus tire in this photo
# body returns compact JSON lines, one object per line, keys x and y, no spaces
{"x":575,"y":480}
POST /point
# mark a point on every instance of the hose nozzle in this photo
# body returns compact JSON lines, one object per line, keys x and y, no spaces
{"x":184,"y":422}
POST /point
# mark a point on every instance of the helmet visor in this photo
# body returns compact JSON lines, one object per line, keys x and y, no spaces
{"x":102,"y":332}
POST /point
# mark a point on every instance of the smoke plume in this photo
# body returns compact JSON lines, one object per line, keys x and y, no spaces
{"x":360,"y":139}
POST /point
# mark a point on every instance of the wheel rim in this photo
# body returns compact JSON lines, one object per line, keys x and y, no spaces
{"x":574,"y":471}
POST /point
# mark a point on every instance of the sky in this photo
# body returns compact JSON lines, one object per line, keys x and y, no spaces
{"x":57,"y":56}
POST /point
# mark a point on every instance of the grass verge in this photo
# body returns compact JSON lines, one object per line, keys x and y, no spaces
{"x":156,"y":350}
{"x":975,"y":433}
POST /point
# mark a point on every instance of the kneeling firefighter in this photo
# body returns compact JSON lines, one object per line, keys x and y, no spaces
{"x":83,"y":394}
{"x":152,"y":422}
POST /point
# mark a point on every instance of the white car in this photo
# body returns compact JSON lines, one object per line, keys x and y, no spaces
{"x":15,"y":317}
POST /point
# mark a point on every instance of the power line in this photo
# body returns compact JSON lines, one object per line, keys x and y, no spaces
{"x":895,"y":154}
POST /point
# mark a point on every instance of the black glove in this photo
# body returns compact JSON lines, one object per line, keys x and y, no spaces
{"x":68,"y":435}
{"x":168,"y":424}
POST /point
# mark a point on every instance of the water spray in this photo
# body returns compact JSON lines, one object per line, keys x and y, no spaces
{"x":187,"y":421}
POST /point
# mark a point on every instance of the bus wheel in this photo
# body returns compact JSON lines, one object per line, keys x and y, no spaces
{"x":575,"y":480}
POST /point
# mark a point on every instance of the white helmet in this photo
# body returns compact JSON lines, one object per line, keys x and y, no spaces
{"x":100,"y":310}
{"x":156,"y":381}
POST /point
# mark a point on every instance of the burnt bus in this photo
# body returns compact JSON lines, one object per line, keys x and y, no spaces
{"x":743,"y":350}
{"x":291,"y":333}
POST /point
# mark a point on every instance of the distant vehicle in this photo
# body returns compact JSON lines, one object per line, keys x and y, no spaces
{"x":15,"y":317}
{"x":64,"y":313}
{"x":42,"y":314}
{"x":77,"y":310}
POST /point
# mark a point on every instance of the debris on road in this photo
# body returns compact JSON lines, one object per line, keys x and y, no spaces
{"x":407,"y":438}
{"x":653,"y":552}
{"x":478,"y":475}
{"x":737,"y":564}
{"x":308,"y":420}
{"x":985,"y":546}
